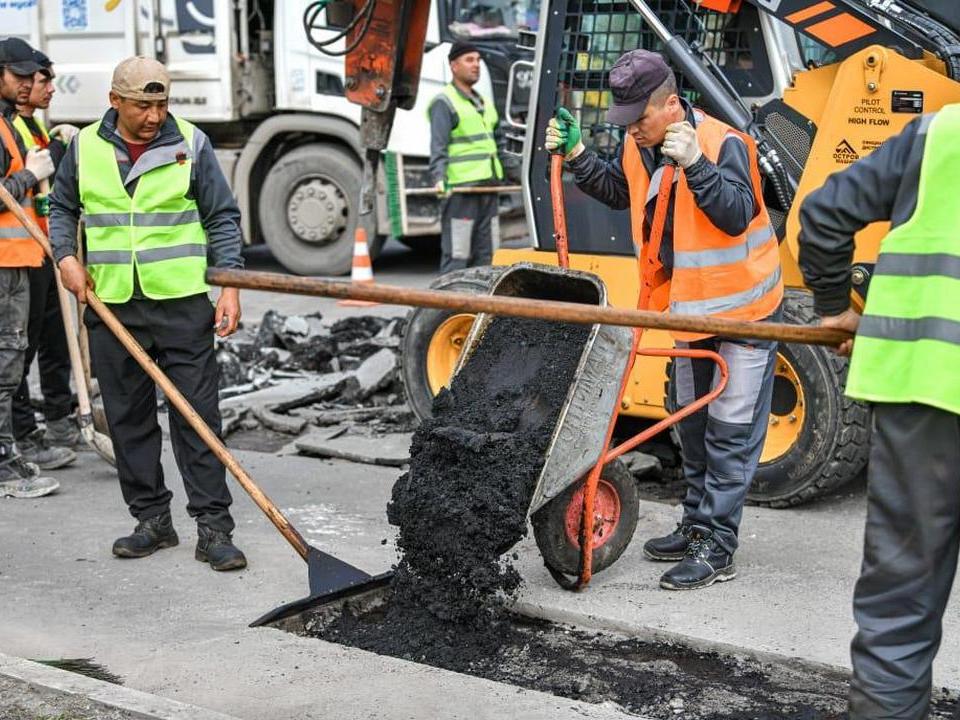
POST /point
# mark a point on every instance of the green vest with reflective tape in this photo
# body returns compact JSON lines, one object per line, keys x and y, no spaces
{"x":472,"y":150}
{"x":907,"y":348}
{"x":157,"y":231}
{"x":28,"y":140}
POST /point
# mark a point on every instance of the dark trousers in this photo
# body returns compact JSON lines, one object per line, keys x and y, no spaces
{"x":178,"y":335}
{"x":470,"y":228}
{"x":721,"y":444}
{"x":909,"y":559}
{"x":47,"y":342}
{"x":14,"y":309}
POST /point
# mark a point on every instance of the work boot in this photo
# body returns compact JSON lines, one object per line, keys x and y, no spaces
{"x":63,"y":432}
{"x":149,"y":536}
{"x":35,"y":449}
{"x":216,"y":547}
{"x":19,"y":479}
{"x":669,"y":547}
{"x":704,"y":563}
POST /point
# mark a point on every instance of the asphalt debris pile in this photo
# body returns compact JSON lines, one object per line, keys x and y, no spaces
{"x":463,"y":503}
{"x":348,"y":372}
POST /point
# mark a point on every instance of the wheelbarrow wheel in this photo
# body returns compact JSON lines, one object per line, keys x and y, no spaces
{"x":556,"y":525}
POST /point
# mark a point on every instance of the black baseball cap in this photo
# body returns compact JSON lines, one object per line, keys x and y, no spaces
{"x":17,"y":55}
{"x":461,"y":48}
{"x":633,"y":78}
{"x":43,"y":61}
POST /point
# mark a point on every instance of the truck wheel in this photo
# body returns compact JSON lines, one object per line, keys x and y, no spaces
{"x":432,"y":339}
{"x":817,"y":439}
{"x":556,"y":526}
{"x":308,"y":207}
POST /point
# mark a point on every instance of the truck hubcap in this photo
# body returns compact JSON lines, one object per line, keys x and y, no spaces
{"x":317,"y":211}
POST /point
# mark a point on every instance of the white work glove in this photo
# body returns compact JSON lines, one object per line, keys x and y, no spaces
{"x":443,"y":189}
{"x":40,"y":163}
{"x":681,"y":144}
{"x":64,"y":132}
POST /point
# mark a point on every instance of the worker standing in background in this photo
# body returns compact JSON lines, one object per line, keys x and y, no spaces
{"x":906,"y":362}
{"x":154,"y":204}
{"x":19,"y":252}
{"x":464,"y":133}
{"x":46,"y":339}
{"x":703,"y":232}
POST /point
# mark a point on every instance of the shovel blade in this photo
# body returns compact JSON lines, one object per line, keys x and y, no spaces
{"x":100,"y":443}
{"x":326,"y":574}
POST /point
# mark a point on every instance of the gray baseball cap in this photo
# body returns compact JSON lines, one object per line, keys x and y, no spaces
{"x":633,"y":78}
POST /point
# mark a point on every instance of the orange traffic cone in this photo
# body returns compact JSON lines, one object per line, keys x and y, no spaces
{"x":362,"y":269}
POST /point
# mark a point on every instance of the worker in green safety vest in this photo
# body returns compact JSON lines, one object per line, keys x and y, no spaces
{"x":49,"y":447}
{"x":906,"y":363}
{"x":155,"y":206}
{"x":464,"y":152}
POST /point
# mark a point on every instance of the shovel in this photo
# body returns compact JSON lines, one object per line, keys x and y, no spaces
{"x":326,"y":574}
{"x":100,"y":443}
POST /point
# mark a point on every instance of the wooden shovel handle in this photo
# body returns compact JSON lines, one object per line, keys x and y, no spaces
{"x":527,"y":308}
{"x":175,"y":397}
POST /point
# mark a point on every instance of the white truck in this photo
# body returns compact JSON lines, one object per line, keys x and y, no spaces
{"x":247,"y":73}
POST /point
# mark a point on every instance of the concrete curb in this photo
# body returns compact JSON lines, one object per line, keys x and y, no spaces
{"x":61,"y":682}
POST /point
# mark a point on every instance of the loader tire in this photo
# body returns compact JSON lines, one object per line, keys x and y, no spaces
{"x":432,"y":339}
{"x":309,"y":209}
{"x":556,"y":525}
{"x":818,"y":439}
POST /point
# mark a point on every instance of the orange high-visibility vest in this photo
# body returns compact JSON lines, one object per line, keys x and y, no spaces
{"x":17,"y":247}
{"x":736,"y":277}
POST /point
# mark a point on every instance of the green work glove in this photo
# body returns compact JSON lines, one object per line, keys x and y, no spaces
{"x":563,"y":135}
{"x":41,"y":205}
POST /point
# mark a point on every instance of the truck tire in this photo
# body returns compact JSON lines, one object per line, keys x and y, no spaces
{"x":308,"y":210}
{"x":556,"y":525}
{"x":432,"y":339}
{"x":818,"y":439}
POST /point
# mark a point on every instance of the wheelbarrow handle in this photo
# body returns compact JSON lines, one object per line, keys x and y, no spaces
{"x":527,"y":308}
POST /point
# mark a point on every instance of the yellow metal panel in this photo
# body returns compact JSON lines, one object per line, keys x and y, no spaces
{"x":853,"y":119}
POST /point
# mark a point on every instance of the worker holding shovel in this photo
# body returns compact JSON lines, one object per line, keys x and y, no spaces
{"x":22,"y":171}
{"x":905,"y":362}
{"x":706,"y":247}
{"x":154,"y":204}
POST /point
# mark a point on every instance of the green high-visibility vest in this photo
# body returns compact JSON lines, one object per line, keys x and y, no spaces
{"x":157,"y":231}
{"x":472,"y":151}
{"x":907,"y":348}
{"x":28,"y":140}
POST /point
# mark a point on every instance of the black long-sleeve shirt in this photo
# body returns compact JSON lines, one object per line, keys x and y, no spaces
{"x":218,"y":209}
{"x":881,"y":186}
{"x":723,"y":191}
{"x":19,"y":183}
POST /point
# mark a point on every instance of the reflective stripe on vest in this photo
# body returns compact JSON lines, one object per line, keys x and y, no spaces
{"x":157,"y":230}
{"x":733,"y":277}
{"x":472,"y":149}
{"x":17,"y":247}
{"x":908,"y":342}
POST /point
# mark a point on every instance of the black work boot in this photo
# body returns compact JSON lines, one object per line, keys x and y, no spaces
{"x":149,"y":536}
{"x":704,"y":563}
{"x":669,"y":547}
{"x":216,"y":547}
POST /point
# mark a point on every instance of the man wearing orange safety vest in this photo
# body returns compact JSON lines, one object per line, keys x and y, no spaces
{"x":21,"y":171}
{"x":706,"y":247}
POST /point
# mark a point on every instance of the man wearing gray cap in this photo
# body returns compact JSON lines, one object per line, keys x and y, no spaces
{"x":155,"y":205}
{"x":19,"y":253}
{"x":706,"y":247}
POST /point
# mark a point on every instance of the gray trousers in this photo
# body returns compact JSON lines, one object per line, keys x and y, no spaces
{"x":721,"y":444}
{"x":14,"y":311}
{"x":470,"y":228}
{"x":909,"y":559}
